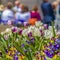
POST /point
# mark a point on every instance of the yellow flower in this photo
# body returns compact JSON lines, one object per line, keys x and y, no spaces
{"x":52,"y":41}
{"x":21,"y":57}
{"x":12,"y":48}
{"x":55,"y":57}
{"x":9,"y":53}
{"x":9,"y":57}
{"x":13,"y":53}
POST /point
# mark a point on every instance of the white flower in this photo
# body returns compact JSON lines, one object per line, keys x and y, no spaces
{"x":6,"y":37}
{"x":17,"y":40}
{"x":41,"y":27}
{"x":48,"y":34}
{"x":8,"y":30}
{"x":36,"y":32}
{"x":50,"y":28}
{"x":38,"y":23}
{"x":2,"y":33}
{"x":25,"y":32}
{"x":31,"y":29}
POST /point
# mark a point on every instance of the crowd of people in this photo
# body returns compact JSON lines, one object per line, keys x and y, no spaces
{"x":20,"y":14}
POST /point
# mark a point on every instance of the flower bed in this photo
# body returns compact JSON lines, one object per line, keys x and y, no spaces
{"x":38,"y":42}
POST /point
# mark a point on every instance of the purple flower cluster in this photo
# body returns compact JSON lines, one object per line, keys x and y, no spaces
{"x":52,"y":49}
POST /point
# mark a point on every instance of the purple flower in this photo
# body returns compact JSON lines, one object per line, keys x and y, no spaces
{"x":22,"y":45}
{"x":25,"y":51}
{"x":49,"y":54}
{"x":20,"y":32}
{"x":6,"y":50}
{"x":45,"y":26}
{"x":28,"y":42}
{"x":14,"y":29}
{"x":30,"y":34}
{"x":32,"y":40}
{"x":53,"y":38}
{"x":57,"y":46}
{"x":44,"y":58}
{"x":57,"y":41}
{"x":15,"y":57}
{"x":41,"y":31}
{"x":6,"y":37}
{"x":17,"y":53}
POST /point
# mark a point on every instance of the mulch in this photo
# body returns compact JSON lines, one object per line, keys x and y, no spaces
{"x":4,"y":27}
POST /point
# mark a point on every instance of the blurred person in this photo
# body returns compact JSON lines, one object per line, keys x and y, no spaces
{"x":35,"y":13}
{"x":23,"y":16}
{"x":54,"y":5}
{"x":17,"y":8}
{"x":48,"y":13}
{"x":57,"y":16}
{"x":1,"y":10}
{"x":7,"y":14}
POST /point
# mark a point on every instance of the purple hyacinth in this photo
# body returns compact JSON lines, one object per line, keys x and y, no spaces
{"x":15,"y":57}
{"x":30,"y":34}
{"x":57,"y":46}
{"x":49,"y":54}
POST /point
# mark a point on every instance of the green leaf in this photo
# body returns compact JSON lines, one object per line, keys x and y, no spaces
{"x":4,"y":43}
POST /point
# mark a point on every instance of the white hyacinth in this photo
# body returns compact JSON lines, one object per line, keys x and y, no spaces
{"x":38,"y":24}
{"x":25,"y":32}
{"x":36,"y":32}
{"x":48,"y":34}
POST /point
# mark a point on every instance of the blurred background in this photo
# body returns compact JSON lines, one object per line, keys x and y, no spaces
{"x":29,"y":3}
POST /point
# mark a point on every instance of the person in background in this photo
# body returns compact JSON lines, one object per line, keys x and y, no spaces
{"x":7,"y":14}
{"x":1,"y":10}
{"x":17,"y":8}
{"x":23,"y":16}
{"x":35,"y":13}
{"x":57,"y":15}
{"x":48,"y":13}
